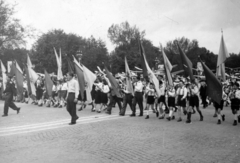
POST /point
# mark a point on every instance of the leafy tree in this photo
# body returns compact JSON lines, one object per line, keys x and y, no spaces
{"x":94,"y":51}
{"x":12,"y":33}
{"x":124,"y":33}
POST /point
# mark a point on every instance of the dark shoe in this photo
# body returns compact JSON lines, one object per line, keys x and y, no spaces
{"x":168,"y":118}
{"x":84,"y":106}
{"x":76,"y":118}
{"x":18,"y":110}
{"x":157,"y":114}
{"x":80,"y":109}
{"x":26,"y":102}
{"x":223,"y":117}
{"x":121,"y":114}
{"x":201,"y":118}
{"x":72,"y":123}
{"x":4,"y":115}
{"x":179,"y":120}
{"x":93,"y":110}
{"x":235,"y":123}
{"x":188,"y":121}
{"x":215,"y":115}
{"x":40,"y":105}
{"x":173,"y":117}
{"x":140,"y":115}
{"x":60,"y":106}
{"x":132,"y":115}
{"x":154,"y":111}
{"x":147,"y":117}
{"x":108,"y":112}
{"x":98,"y":111}
{"x":219,"y":122}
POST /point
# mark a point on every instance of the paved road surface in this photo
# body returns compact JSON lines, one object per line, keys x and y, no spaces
{"x":42,"y":135}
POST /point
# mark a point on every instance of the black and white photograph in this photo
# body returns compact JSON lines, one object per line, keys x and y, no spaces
{"x":120,"y":81}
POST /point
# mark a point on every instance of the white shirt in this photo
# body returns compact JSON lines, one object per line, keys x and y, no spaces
{"x":73,"y":87}
{"x":64,"y":87}
{"x":182,"y":91}
{"x":195,"y":90}
{"x":171,"y":93}
{"x":162,"y":90}
{"x":138,"y":86}
{"x":105,"y":89}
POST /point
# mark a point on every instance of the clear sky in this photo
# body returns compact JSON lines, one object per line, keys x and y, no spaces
{"x":163,"y":20}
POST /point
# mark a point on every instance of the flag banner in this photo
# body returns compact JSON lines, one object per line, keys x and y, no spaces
{"x":80,"y":75}
{"x":28,"y":80}
{"x":48,"y":83}
{"x":168,"y":67}
{"x":89,"y":77}
{"x":151,"y":76}
{"x":214,"y":87}
{"x":222,"y":56}
{"x":114,"y":84}
{"x":29,"y":63}
{"x":187,"y":64}
{"x":4,"y":75}
{"x":128,"y":78}
{"x":70,"y":66}
{"x":59,"y":64}
{"x":143,"y":58}
{"x":19,"y":80}
{"x":9,"y":65}
{"x":12,"y":69}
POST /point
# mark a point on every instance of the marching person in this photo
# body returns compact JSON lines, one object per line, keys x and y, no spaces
{"x":170,"y":96}
{"x":193,"y":102}
{"x":138,"y":97}
{"x":151,"y":93}
{"x":8,"y":94}
{"x":181,"y":99}
{"x":161,"y":100}
{"x":235,"y":97}
{"x":72,"y":97}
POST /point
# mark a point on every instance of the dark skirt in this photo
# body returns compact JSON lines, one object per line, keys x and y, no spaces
{"x":217,"y":106}
{"x":171,"y":101}
{"x":98,"y":97}
{"x":150,"y":100}
{"x":104,"y":98}
{"x":180,"y":102}
{"x":194,"y":101}
{"x":161,"y":99}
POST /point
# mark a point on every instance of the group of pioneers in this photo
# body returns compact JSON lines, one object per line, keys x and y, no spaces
{"x":184,"y":98}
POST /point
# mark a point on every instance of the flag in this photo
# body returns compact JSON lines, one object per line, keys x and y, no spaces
{"x":143,"y":63}
{"x":187,"y":64}
{"x":70,"y":66}
{"x":4,"y":75}
{"x":89,"y":77}
{"x":29,"y":63}
{"x":33,"y":77}
{"x":80,"y":75}
{"x":114,"y":84}
{"x":168,"y":67}
{"x":48,"y":83}
{"x":128,"y":78}
{"x":214,"y":87}
{"x":149,"y":72}
{"x":19,"y":80}
{"x":59,"y":64}
{"x":28,"y":80}
{"x":222,"y":56}
{"x":12,"y":69}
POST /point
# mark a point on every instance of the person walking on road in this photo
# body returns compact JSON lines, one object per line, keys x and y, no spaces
{"x":72,"y":97}
{"x":8,"y":96}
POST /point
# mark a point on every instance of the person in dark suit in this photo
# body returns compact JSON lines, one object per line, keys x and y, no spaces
{"x":203,"y":93}
{"x":8,"y":94}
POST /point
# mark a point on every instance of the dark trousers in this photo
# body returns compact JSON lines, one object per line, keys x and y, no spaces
{"x":204,"y":101}
{"x":138,"y":99}
{"x":127,"y":100}
{"x":9,"y":103}
{"x":113,"y":100}
{"x":71,"y":106}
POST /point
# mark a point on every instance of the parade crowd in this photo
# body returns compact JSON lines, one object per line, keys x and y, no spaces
{"x":182,"y":99}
